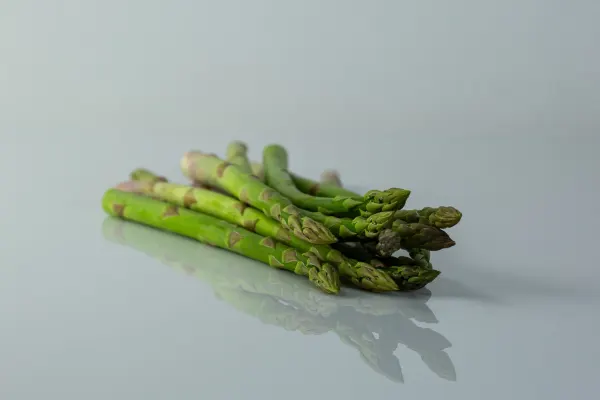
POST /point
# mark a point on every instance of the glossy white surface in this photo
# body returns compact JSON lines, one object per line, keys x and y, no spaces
{"x":488,"y":106}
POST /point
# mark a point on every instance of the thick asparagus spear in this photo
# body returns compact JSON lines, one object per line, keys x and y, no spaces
{"x":210,"y":169}
{"x":258,"y":170}
{"x":237,"y":154}
{"x":440,"y":217}
{"x":275,"y":163}
{"x":208,"y":229}
{"x":233,"y":211}
{"x":331,"y":177}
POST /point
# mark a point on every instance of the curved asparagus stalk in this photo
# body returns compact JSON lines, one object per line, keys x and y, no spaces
{"x":439,"y":217}
{"x":237,"y":154}
{"x":257,"y":291}
{"x":331,"y":177}
{"x":210,"y":169}
{"x":322,"y":189}
{"x":376,"y":201}
{"x":357,"y":227}
{"x":233,"y":211}
{"x":210,"y":230}
{"x":275,"y":164}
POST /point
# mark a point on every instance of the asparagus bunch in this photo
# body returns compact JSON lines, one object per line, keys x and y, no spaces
{"x":267,"y":213}
{"x":233,"y":211}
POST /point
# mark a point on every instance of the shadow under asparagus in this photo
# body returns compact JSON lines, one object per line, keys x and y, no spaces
{"x":374,"y":324}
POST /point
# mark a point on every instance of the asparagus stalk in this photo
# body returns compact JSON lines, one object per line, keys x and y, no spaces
{"x":237,"y":154}
{"x":142,"y":174}
{"x":439,"y":217}
{"x":411,"y":235}
{"x":235,"y":212}
{"x":210,"y":230}
{"x":331,"y":177}
{"x":358,"y":227}
{"x":213,"y":171}
{"x":275,"y":163}
{"x":322,"y":189}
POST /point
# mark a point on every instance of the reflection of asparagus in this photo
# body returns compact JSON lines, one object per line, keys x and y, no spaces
{"x":374,"y":325}
{"x":210,"y":230}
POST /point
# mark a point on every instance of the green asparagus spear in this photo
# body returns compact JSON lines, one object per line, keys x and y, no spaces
{"x":440,"y":217}
{"x":322,"y":189}
{"x":353,"y":227}
{"x":142,"y":174}
{"x":233,"y":211}
{"x":237,"y":154}
{"x":411,"y":235}
{"x":275,"y":163}
{"x":210,"y":169}
{"x":210,"y":230}
{"x":379,"y":201}
{"x":331,"y":177}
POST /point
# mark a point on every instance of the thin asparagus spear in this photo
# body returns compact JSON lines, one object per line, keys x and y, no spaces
{"x":246,"y":187}
{"x":321,"y":189}
{"x":275,"y":164}
{"x":358,"y":227}
{"x":142,"y":174}
{"x":233,"y":211}
{"x":210,"y":230}
{"x":331,"y":177}
{"x":237,"y":154}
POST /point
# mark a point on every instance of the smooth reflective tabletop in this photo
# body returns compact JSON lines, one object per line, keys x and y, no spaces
{"x":491,"y":107}
{"x":97,"y":307}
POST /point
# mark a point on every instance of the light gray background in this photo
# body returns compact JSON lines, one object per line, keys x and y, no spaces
{"x":491,"y":106}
